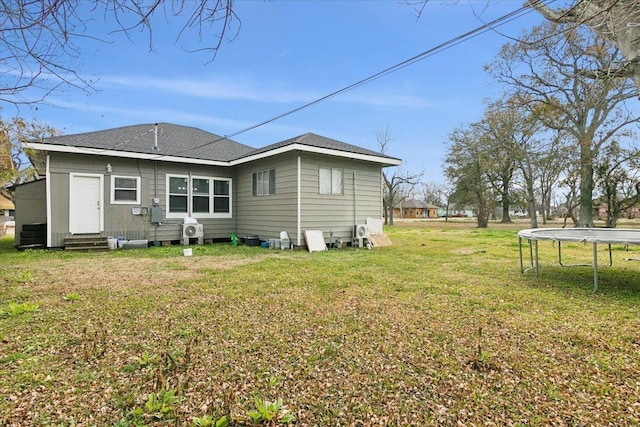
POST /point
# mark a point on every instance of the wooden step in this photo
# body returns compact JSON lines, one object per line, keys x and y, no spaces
{"x":85,"y":243}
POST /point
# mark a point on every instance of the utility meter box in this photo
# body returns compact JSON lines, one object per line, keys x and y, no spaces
{"x":157,"y":216}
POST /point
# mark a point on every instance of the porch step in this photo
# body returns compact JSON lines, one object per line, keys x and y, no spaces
{"x":86,"y":243}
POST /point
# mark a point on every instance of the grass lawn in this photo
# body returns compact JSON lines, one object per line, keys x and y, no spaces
{"x":439,"y":329}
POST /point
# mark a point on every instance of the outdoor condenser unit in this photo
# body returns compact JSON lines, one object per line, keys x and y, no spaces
{"x":361,"y":233}
{"x":192,"y":231}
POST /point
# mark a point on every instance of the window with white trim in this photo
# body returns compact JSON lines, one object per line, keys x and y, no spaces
{"x":264,"y":183}
{"x":198,"y":197}
{"x":125,"y":190}
{"x":330,"y":181}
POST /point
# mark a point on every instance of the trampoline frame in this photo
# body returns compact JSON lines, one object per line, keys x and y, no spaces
{"x":594,"y":236}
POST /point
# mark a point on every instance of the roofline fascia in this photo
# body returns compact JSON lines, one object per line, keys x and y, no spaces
{"x":318,"y":150}
{"x":126,"y":154}
{"x":387,"y":161}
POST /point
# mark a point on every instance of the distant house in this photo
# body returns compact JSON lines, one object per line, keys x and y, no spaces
{"x":141,"y":181}
{"x":600,"y":212}
{"x":415,"y":209}
{"x":455,"y":211}
{"x":7,"y":212}
{"x":7,"y":208}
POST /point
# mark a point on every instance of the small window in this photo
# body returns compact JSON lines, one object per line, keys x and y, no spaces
{"x":221,"y":196}
{"x":330,"y":181}
{"x":201,"y":195}
{"x":264,"y":183}
{"x":125,"y":190}
{"x":178,"y":195}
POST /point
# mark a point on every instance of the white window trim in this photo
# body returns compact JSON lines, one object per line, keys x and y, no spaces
{"x":170,"y":214}
{"x":332,"y":192}
{"x":124,"y":202}
{"x":259,"y":192}
{"x":189,"y":195}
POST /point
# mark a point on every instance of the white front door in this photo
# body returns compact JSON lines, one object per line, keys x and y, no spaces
{"x":85,"y":203}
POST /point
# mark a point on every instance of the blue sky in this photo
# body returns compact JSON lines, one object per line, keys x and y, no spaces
{"x":289,"y":53}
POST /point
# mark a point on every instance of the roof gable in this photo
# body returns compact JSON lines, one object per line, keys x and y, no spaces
{"x":323,"y":143}
{"x":313,"y":140}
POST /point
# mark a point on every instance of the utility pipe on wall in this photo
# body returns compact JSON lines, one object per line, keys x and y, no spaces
{"x":299,"y":206}
{"x":355,"y":201}
{"x":47,"y":186}
{"x":155,"y":137}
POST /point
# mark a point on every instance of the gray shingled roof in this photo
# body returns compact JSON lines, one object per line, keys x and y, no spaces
{"x":313,"y":140}
{"x":190,"y":142}
{"x":173,"y":140}
{"x":412,"y":203}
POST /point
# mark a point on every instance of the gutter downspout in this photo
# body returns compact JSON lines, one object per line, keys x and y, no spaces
{"x":155,"y":196}
{"x":299,"y":205}
{"x":47,"y":185}
{"x":355,"y":204}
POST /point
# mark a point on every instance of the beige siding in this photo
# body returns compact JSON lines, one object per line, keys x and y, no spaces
{"x":361,"y":198}
{"x":118,"y":218}
{"x":170,"y":228}
{"x":267,"y":216}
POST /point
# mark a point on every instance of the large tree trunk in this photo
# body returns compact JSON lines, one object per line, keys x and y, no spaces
{"x":505,"y":203}
{"x":483,"y":214}
{"x":390,"y":222}
{"x":531,"y":200}
{"x":585,"y":216}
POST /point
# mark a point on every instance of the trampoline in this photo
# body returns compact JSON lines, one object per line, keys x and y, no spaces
{"x":594,"y":236}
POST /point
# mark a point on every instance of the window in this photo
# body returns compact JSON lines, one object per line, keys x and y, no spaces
{"x":125,"y":190}
{"x":178,"y":195}
{"x":330,"y":181}
{"x":199,"y":197}
{"x":264,"y":183}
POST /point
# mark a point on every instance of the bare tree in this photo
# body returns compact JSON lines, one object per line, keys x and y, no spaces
{"x":615,"y":20}
{"x":570,"y":185}
{"x":448,"y":190}
{"x":15,"y":167}
{"x":546,"y":67}
{"x":397,"y":186}
{"x":617,"y":173}
{"x":503,"y":134}
{"x":551,"y":160}
{"x":467,"y":166}
{"x":39,"y":49}
{"x":432,"y":193}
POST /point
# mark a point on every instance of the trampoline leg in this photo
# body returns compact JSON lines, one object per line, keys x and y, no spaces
{"x":537,"y":266}
{"x":520,"y":251}
{"x":595,"y":267}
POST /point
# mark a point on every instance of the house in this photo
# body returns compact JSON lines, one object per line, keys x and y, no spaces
{"x":415,"y":209}
{"x":600,"y":212}
{"x":141,"y":181}
{"x":7,"y":211}
{"x":7,"y":208}
{"x":456,"y":212}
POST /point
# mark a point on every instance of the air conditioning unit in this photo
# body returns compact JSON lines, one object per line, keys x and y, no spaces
{"x":362,"y":231}
{"x":361,"y":235}
{"x":192,"y":231}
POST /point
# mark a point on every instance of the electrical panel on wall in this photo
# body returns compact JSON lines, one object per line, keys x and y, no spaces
{"x":157,"y":216}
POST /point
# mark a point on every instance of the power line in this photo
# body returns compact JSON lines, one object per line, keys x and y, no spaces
{"x":427,"y":53}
